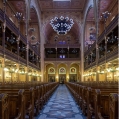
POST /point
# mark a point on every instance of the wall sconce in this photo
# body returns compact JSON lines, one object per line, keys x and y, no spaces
{"x":16,"y":70}
{"x":6,"y":69}
{"x":117,"y":69}
{"x":22,"y":71}
{"x":101,"y":72}
{"x":116,"y":75}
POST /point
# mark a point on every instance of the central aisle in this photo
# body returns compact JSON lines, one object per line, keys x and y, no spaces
{"x":61,"y":106}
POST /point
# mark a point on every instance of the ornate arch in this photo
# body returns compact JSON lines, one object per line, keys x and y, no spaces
{"x":35,"y":7}
{"x":89,"y":8}
{"x":47,"y":20}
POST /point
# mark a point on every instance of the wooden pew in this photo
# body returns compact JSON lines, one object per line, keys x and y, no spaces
{"x":16,"y":104}
{"x":36,"y":100}
{"x":113,"y":106}
{"x":28,"y":103}
{"x":89,"y":98}
{"x":4,"y":106}
{"x":35,"y":96}
{"x":101,"y":102}
{"x":84,"y":100}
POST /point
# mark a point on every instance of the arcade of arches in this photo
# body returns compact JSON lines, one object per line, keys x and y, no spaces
{"x":32,"y":52}
{"x":36,"y":47}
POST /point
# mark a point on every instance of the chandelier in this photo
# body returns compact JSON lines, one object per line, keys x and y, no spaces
{"x":61,"y":25}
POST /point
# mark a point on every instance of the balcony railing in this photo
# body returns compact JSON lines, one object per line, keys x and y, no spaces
{"x":111,"y":26}
{"x":11,"y":55}
{"x":14,"y":29}
{"x":91,"y":49}
{"x":22,"y":60}
{"x":34,"y":66}
{"x":61,"y":59}
{"x":90,"y":65}
{"x":62,"y":45}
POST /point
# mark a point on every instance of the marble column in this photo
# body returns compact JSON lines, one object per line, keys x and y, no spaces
{"x":82,"y":55}
{"x":56,"y":74}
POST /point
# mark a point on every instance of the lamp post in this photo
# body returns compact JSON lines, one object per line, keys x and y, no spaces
{"x":105,"y":16}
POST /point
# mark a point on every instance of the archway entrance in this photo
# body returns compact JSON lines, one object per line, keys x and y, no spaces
{"x":62,"y":78}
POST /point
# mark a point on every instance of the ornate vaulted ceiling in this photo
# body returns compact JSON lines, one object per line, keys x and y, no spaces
{"x":73,"y":5}
{"x":60,"y":6}
{"x":50,"y":7}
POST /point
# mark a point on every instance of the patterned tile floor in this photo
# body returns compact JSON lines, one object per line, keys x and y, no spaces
{"x":61,"y":106}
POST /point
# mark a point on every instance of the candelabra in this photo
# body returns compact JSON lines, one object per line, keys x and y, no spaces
{"x":105,"y":16}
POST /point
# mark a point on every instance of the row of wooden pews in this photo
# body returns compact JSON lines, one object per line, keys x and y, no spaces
{"x":97,"y":100}
{"x":24,"y":100}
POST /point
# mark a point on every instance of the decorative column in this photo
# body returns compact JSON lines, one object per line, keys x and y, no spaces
{"x":68,"y":44}
{"x":2,"y":70}
{"x":3,"y":45}
{"x":3,"y":39}
{"x":45,"y":73}
{"x":56,"y":52}
{"x":68,"y":51}
{"x":82,"y":54}
{"x":79,"y":74}
{"x":19,"y":17}
{"x":105,"y":16}
{"x":17,"y":67}
{"x":56,"y":72}
{"x":68,"y":71}
{"x":55,"y":39}
{"x":27,"y":61}
{"x":42,"y":56}
{"x":96,"y":13}
{"x":18,"y":39}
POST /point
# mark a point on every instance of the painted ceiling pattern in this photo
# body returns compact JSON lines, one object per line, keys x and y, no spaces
{"x":54,"y":6}
{"x":61,"y":5}
{"x":51,"y":7}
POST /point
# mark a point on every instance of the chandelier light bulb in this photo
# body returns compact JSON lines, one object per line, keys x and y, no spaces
{"x":61,"y":25}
